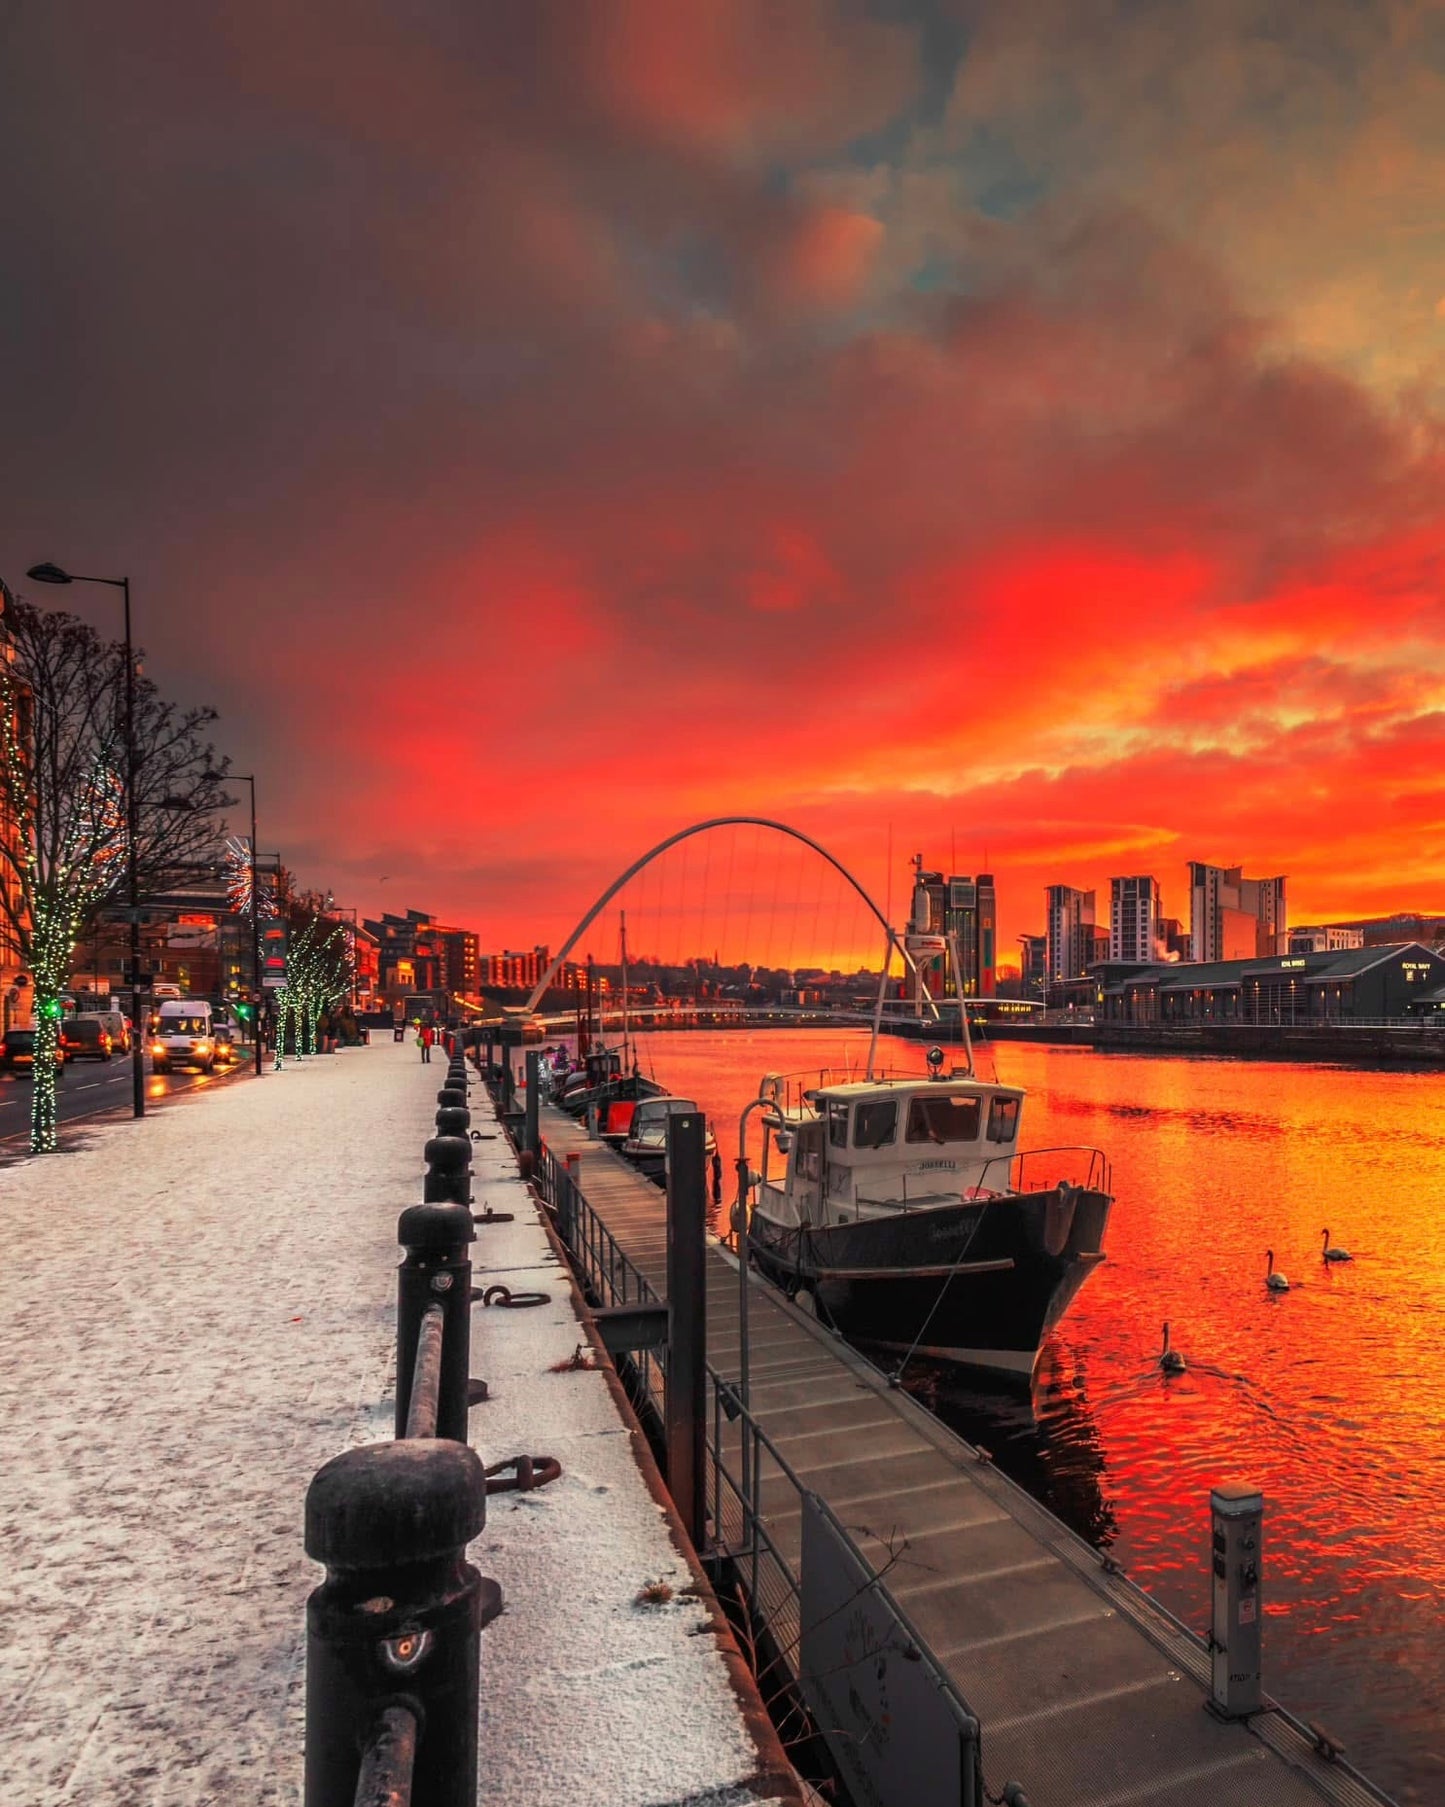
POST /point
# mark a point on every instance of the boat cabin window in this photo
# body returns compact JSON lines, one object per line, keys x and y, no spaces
{"x":838,"y":1125}
{"x":875,"y":1125}
{"x":810,"y":1152}
{"x":1003,"y":1119}
{"x":936,"y":1117}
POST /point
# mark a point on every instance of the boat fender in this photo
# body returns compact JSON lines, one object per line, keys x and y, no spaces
{"x":1059,"y":1217}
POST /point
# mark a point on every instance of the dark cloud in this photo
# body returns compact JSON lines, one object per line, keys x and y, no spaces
{"x":628,"y":407}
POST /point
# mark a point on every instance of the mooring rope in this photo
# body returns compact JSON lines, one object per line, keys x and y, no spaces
{"x":896,"y":1377}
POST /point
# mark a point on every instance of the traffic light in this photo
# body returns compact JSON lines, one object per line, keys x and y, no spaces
{"x":51,"y":1008}
{"x":244,"y":1011}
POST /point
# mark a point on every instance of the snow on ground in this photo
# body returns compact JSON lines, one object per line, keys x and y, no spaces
{"x":587,"y":1695}
{"x":196,"y":1312}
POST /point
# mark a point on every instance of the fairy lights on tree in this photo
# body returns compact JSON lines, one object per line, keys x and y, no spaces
{"x":319,"y":967}
{"x":63,"y":805}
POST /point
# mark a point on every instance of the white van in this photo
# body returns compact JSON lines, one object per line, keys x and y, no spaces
{"x":183,"y":1036}
{"x":118,"y":1023}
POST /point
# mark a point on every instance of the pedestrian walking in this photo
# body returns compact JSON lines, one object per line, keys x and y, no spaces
{"x":426,"y":1038}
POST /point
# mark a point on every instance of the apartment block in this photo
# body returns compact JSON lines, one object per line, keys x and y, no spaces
{"x":1232,"y":917}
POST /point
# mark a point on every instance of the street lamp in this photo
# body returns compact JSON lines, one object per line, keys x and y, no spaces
{"x":52,"y":574}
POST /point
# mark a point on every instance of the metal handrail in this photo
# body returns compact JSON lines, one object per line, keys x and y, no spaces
{"x":735,"y":1497}
{"x":1099,"y":1176}
{"x":426,"y":1376}
{"x":388,"y":1761}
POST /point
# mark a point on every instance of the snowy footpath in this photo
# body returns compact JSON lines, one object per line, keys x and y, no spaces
{"x":196,"y":1312}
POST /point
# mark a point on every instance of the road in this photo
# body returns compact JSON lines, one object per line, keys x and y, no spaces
{"x":90,"y":1087}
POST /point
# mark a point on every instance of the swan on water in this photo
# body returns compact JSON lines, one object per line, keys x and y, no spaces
{"x":1170,"y":1360}
{"x":1275,"y":1282}
{"x":1335,"y":1254}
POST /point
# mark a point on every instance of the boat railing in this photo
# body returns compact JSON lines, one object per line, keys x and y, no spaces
{"x":1037,"y":1169}
{"x":789,"y":1091}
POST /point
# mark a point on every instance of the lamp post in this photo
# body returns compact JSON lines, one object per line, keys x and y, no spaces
{"x":52,"y":574}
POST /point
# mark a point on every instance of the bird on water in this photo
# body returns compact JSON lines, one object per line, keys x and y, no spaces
{"x":1335,"y":1254}
{"x":1170,"y":1360}
{"x":1275,"y":1282}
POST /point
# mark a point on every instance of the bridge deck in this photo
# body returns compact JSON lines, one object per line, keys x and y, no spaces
{"x":1086,"y":1692}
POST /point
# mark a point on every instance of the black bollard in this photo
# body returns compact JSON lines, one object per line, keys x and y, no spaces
{"x":449,"y":1171}
{"x":453,"y":1120}
{"x":396,"y":1625}
{"x":437,"y":1270}
{"x":451,"y":1096}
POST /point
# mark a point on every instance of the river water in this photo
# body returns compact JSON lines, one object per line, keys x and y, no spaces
{"x":1328,"y":1397}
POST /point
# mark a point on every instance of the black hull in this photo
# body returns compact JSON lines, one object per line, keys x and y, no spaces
{"x":980,"y":1283}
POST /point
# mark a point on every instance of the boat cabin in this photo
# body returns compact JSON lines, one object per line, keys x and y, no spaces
{"x":876,"y":1147}
{"x":649,"y":1122}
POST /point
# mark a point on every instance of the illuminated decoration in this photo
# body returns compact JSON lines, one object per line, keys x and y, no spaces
{"x":319,"y":974}
{"x":239,"y":888}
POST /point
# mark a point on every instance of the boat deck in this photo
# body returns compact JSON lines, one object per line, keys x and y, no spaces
{"x":1087,"y":1693}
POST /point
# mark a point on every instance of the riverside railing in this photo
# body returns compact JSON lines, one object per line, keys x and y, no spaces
{"x":742,"y":1465}
{"x":393,"y":1634}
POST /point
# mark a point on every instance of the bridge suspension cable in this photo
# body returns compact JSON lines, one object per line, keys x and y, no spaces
{"x":684,"y":834}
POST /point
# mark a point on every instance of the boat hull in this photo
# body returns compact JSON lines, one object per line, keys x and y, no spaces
{"x":979,"y":1283}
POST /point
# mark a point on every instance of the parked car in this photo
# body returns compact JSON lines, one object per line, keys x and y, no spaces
{"x":85,"y":1038}
{"x":184,"y":1036}
{"x":17,"y":1053}
{"x":118,"y":1024}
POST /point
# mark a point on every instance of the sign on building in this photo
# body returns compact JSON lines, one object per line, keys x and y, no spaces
{"x":274,"y":939}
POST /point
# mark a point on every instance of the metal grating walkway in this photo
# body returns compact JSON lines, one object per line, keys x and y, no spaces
{"x":1088,"y":1694}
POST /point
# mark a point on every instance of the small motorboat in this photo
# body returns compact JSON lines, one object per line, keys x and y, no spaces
{"x":905,"y":1210}
{"x":645,"y":1143}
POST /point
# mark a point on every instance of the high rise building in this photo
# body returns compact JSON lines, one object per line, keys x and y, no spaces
{"x":966,"y":909}
{"x":1068,"y":913}
{"x":1033,"y":965}
{"x":1232,"y":917}
{"x":1134,"y":919}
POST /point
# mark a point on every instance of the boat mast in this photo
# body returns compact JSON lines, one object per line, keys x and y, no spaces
{"x":622,"y":919}
{"x":878,"y":1005}
{"x":953,"y":955}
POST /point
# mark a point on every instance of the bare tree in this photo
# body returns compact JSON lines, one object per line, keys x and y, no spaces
{"x":63,"y":769}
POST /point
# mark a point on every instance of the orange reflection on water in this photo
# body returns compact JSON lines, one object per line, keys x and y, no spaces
{"x":1327,"y":1396}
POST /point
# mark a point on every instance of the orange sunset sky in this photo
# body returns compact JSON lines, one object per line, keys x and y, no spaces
{"x":1015,"y":430}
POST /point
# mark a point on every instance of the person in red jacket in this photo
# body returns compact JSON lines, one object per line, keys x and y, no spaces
{"x":426,"y":1038}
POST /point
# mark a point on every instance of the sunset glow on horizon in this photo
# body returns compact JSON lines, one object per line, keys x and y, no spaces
{"x":1010,"y":435}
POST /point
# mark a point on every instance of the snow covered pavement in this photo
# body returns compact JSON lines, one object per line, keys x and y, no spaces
{"x":196,"y":1312}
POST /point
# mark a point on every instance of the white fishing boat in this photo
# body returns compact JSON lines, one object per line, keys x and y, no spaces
{"x":904,"y":1211}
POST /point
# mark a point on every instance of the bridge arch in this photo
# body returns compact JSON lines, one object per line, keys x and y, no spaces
{"x":684,"y":834}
